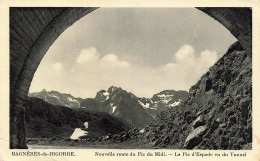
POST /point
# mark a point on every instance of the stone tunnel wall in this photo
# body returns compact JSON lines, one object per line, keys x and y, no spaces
{"x":237,"y":20}
{"x":33,"y":30}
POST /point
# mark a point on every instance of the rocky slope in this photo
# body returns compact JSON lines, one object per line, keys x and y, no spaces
{"x":44,"y":120}
{"x":217,"y":114}
{"x":162,"y":101}
{"x":57,"y":98}
{"x":121,"y":104}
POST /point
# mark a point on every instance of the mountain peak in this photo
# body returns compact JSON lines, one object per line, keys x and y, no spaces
{"x":113,"y":88}
{"x":104,"y":95}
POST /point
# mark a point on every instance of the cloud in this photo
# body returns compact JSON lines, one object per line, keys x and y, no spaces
{"x":208,"y":57}
{"x":185,"y":59}
{"x":110,"y":57}
{"x":187,"y":68}
{"x":112,"y":60}
{"x":184,"y":70}
{"x":88,"y":55}
{"x":185,"y":54}
{"x":57,"y":66}
{"x":100,"y":71}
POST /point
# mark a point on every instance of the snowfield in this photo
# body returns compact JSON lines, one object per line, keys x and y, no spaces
{"x":176,"y":103}
{"x":73,"y":100}
{"x":147,"y":105}
{"x":113,"y":109}
{"x":78,"y":133}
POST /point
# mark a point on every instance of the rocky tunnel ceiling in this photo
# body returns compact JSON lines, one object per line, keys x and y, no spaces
{"x":33,"y":31}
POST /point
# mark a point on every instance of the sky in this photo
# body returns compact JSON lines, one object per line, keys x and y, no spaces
{"x":142,"y":50}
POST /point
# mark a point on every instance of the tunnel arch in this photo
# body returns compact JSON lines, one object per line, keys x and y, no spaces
{"x":33,"y":31}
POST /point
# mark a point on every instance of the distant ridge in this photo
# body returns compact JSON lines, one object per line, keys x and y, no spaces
{"x":134,"y":111}
{"x":57,"y":98}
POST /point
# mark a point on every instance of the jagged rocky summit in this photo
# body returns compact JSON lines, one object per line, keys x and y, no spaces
{"x":57,"y":98}
{"x":121,"y":104}
{"x":162,"y":101}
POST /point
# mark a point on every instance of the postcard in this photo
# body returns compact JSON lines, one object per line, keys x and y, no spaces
{"x":128,"y":80}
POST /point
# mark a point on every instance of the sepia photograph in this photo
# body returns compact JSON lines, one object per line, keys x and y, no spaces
{"x":130,"y":78}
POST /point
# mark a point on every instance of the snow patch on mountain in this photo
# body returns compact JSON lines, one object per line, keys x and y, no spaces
{"x":165,"y":98}
{"x":176,"y":103}
{"x":114,"y":108}
{"x":141,"y":131}
{"x":72,"y":100}
{"x":78,"y":132}
{"x":147,"y":105}
{"x":165,"y":95}
{"x":162,"y":101}
{"x":52,"y":95}
{"x":106,"y":93}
